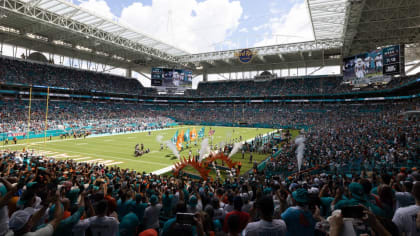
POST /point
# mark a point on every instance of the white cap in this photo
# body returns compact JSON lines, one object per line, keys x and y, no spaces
{"x":19,"y":220}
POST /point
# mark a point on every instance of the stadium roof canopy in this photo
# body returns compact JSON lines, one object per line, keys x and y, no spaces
{"x":376,"y":23}
{"x":58,"y":26}
{"x":341,"y":28}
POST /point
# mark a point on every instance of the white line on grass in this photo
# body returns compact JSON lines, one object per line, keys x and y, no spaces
{"x":81,"y":158}
{"x":113,"y":163}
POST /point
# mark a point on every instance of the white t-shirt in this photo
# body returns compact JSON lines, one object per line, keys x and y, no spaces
{"x":4,"y":220}
{"x":405,"y":219}
{"x":151,"y":216}
{"x":48,"y":230}
{"x":99,"y":226}
{"x":262,"y":227}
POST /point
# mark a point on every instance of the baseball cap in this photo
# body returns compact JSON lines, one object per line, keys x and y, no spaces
{"x":153,"y":199}
{"x":19,"y":220}
{"x":193,"y":201}
{"x":356,"y":191}
{"x":300,"y":195}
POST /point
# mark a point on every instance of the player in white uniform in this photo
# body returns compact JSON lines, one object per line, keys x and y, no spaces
{"x":367,"y":60}
{"x":378,"y":63}
{"x":359,"y":68}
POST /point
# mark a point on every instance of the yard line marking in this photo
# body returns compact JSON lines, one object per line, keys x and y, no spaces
{"x":108,"y":161}
{"x":95,"y":160}
{"x":64,"y":155}
{"x":114,"y":163}
{"x":81,"y":158}
{"x":131,"y":137}
{"x":81,"y":143}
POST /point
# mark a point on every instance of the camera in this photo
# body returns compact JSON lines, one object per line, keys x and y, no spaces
{"x":185,"y":218}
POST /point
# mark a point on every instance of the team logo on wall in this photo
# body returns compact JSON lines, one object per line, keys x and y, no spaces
{"x":245,"y":55}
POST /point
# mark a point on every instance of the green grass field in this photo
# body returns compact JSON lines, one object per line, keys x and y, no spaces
{"x":119,"y":149}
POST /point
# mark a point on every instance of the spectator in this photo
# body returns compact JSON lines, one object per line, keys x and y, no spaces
{"x":298,"y":219}
{"x":244,"y":217}
{"x":267,"y":225}
{"x":405,"y":218}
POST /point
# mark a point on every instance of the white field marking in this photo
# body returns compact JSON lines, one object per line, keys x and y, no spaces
{"x":47,"y":152}
{"x":64,"y":155}
{"x":131,"y":137}
{"x":114,"y":163}
{"x":81,"y":143}
{"x":93,"y":136}
{"x":108,"y":140}
{"x":81,"y":158}
{"x":163,"y":170}
{"x":95,"y":160}
{"x":105,"y":162}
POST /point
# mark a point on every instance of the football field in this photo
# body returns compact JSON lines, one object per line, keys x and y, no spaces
{"x":119,"y":149}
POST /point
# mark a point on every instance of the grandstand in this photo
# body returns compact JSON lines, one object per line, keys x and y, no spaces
{"x":265,"y":144}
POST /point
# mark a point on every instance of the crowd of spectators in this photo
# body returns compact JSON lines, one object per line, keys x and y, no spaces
{"x":352,"y":181}
{"x":75,"y":116}
{"x":287,"y":86}
{"x":35,"y":73}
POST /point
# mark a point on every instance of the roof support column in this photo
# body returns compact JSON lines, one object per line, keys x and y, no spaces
{"x":128,"y":73}
{"x":205,"y":76}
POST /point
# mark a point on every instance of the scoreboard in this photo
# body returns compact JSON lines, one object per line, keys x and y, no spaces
{"x":392,"y":60}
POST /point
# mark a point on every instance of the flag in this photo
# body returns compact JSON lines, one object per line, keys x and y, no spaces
{"x":193,"y":134}
{"x":187,"y":136}
{"x":180,"y":140}
{"x":201,"y":133}
{"x":175,"y":137}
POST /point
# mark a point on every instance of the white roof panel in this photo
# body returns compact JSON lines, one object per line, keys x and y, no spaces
{"x":64,"y":7}
{"x":327,"y":18}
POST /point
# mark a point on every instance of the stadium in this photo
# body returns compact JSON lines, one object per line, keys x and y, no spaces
{"x":210,"y":117}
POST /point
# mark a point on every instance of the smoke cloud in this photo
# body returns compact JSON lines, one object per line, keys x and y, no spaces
{"x":159,"y":138}
{"x":300,"y":142}
{"x":205,"y":148}
{"x":173,"y":148}
{"x":235,"y":149}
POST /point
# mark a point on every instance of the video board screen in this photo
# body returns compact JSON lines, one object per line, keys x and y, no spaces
{"x":371,"y":66}
{"x":171,"y":77}
{"x":365,"y":65}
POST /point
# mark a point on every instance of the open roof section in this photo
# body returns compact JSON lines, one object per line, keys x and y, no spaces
{"x":328,"y":18}
{"x":73,"y":12}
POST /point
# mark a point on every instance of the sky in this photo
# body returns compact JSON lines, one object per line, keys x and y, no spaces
{"x":209,"y":25}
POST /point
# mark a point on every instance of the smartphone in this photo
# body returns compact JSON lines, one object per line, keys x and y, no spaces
{"x":185,"y":218}
{"x":352,"y":212}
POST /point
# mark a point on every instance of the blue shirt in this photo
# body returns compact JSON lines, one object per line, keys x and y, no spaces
{"x":298,"y":221}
